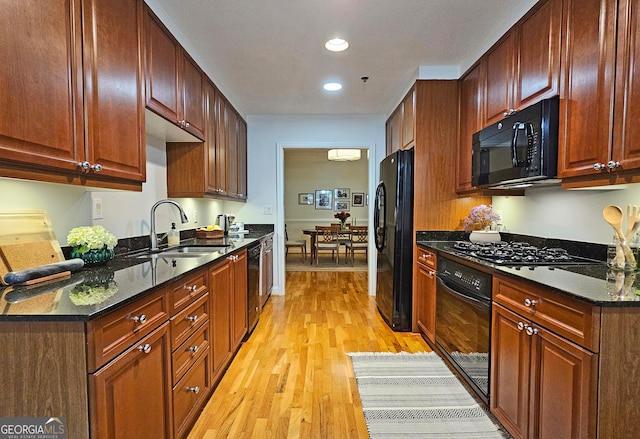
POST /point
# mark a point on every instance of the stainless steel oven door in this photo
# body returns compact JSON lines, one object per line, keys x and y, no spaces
{"x":463,"y":321}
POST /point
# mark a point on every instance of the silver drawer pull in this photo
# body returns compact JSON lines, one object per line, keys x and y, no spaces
{"x":191,"y":288}
{"x":194,"y":349}
{"x":146,"y":348}
{"x":531,"y":330}
{"x":195,"y":389}
{"x":530,"y":302}
{"x":431,"y":272}
{"x":141,"y":319}
{"x":521,"y":326}
{"x":191,"y":318}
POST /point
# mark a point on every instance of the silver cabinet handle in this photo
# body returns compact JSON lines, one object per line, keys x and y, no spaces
{"x":96,"y":168}
{"x":193,"y":349}
{"x":191,"y":288}
{"x":599,"y":166}
{"x":84,"y":165}
{"x":431,"y":272}
{"x":142,"y":319}
{"x":192,"y":318}
{"x":530,"y":302}
{"x":146,"y":348}
{"x":195,"y":389}
{"x":531,"y":330}
{"x":612,"y":164}
{"x":522,"y":326}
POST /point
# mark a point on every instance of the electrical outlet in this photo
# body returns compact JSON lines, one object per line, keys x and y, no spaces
{"x":97,"y":209}
{"x":195,"y":217}
{"x":266,"y":210}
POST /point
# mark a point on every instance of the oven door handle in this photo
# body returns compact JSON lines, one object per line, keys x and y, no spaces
{"x":474,"y":301}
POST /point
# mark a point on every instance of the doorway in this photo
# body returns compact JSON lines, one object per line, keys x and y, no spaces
{"x":306,"y":215}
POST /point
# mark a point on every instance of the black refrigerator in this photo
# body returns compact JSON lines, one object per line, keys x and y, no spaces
{"x":393,"y":224}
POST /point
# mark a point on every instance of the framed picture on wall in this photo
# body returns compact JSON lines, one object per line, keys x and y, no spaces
{"x":358,"y":199}
{"x":342,"y":206}
{"x":305,"y":198}
{"x":324,"y":198}
{"x":341,"y":194}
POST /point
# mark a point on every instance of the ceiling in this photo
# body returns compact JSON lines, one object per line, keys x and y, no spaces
{"x":268,"y":56}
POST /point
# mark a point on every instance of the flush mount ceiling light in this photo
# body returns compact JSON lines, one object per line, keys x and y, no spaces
{"x":332,"y":86}
{"x":336,"y":45}
{"x":344,"y":155}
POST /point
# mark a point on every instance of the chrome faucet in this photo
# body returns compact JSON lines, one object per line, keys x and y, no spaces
{"x":153,"y":236}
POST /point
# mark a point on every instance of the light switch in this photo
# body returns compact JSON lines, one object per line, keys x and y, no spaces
{"x":97,"y":209}
{"x":266,"y":210}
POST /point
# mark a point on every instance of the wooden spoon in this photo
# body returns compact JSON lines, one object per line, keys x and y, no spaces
{"x":613,"y":215}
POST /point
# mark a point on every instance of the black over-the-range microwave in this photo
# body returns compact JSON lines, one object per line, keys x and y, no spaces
{"x":521,"y":149}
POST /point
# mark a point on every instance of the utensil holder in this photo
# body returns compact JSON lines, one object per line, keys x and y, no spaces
{"x":620,"y":257}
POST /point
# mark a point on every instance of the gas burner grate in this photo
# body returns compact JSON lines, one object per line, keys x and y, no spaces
{"x":518,"y":253}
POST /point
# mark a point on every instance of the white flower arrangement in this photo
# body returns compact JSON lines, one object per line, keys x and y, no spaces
{"x":91,"y":238}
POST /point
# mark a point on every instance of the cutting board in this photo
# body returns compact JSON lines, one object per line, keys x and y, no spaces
{"x":21,"y":255}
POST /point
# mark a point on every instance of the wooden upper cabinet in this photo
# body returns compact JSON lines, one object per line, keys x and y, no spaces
{"x":409,"y":120}
{"x":538,"y":54}
{"x":242,"y":159}
{"x":587,"y":88}
{"x":193,"y":102}
{"x":470,"y":92}
{"x":626,"y":134}
{"x":394,"y":131}
{"x":115,"y":133}
{"x":37,"y":75}
{"x":69,"y":122}
{"x":174,"y":82}
{"x":500,"y":74}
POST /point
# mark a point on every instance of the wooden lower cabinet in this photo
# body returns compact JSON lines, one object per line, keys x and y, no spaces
{"x":132,"y":394}
{"x":239,"y":306}
{"x":542,"y":385}
{"x":426,"y":294}
{"x":190,"y":394}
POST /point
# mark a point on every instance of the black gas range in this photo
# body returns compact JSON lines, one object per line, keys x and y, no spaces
{"x":517,"y":254}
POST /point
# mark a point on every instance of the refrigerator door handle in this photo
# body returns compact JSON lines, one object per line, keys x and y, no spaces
{"x":379,"y":223}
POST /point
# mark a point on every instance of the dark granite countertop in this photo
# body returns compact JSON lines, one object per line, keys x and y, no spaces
{"x":122,"y":280}
{"x":593,"y":283}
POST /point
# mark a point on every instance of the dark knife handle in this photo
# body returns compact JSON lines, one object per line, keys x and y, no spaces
{"x":22,"y":276}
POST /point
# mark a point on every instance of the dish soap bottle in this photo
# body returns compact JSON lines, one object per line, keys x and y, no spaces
{"x":173,"y":237}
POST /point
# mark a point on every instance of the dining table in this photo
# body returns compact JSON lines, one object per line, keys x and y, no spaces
{"x":313,"y":234}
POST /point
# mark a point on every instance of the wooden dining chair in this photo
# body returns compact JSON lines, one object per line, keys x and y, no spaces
{"x":359,"y":240}
{"x":298,"y":243}
{"x":327,"y":240}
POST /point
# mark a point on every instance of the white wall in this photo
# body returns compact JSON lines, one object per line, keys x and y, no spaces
{"x":566,"y":214}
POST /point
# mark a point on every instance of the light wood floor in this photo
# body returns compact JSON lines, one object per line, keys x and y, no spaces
{"x":292,"y":378}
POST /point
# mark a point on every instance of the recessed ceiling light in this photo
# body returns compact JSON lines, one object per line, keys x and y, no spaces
{"x":336,"y":45}
{"x":332,"y":86}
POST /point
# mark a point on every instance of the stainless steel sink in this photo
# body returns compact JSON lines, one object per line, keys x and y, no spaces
{"x":191,"y":251}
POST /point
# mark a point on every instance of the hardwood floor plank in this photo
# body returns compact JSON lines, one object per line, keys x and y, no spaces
{"x":292,"y":378}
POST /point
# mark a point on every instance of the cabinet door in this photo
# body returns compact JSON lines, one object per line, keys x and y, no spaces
{"x":220,"y":297}
{"x":563,"y":393}
{"x":586,"y":95}
{"x":242,"y":159}
{"x":510,"y":366}
{"x":240,"y":299}
{"x":131,"y":396}
{"x":192,"y":91}
{"x":470,"y":87}
{"x":538,"y":73}
{"x":500,"y":74}
{"x":231,"y":119}
{"x":115,"y":126}
{"x":41,"y":117}
{"x":394,"y":126}
{"x":426,"y":301}
{"x":162,"y":55}
{"x":627,"y":103}
{"x":211,"y":157}
{"x":221,"y":136}
{"x":409,"y":120}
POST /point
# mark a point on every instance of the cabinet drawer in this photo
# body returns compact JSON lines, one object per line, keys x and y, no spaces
{"x":184,"y":292}
{"x":190,"y":394}
{"x":189,"y":351}
{"x":426,"y":257}
{"x":111,"y":334}
{"x":186,"y":321}
{"x":575,"y":320}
